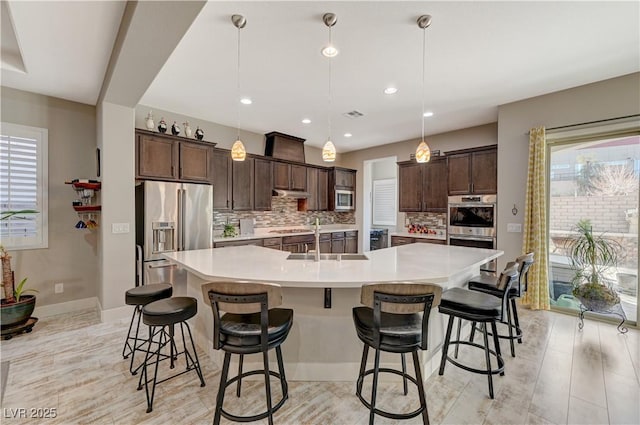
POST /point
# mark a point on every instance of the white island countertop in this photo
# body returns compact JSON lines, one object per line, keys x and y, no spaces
{"x":415,"y":262}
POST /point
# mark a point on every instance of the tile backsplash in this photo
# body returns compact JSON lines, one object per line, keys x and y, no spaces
{"x":431,"y":220}
{"x":284,"y":212}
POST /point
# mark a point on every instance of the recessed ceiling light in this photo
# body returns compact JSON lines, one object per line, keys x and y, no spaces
{"x":428,"y":114}
{"x":306,"y":121}
{"x":390,"y":90}
{"x":246,"y":101}
{"x":348,"y":134}
{"x":330,"y":51}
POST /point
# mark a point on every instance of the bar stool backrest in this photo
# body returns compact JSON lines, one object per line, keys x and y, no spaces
{"x":508,"y":278}
{"x":273,"y":291}
{"x":525,"y":261}
{"x":400,"y":288}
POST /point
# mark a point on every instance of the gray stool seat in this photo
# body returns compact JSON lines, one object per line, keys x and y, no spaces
{"x":471,"y":305}
{"x":399,"y":333}
{"x":241,"y":333}
{"x":169,"y":311}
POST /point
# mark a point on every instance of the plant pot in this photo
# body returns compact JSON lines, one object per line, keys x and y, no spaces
{"x":596,"y":297}
{"x":18,"y":313}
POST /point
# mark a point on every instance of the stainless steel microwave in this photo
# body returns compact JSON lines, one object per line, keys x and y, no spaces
{"x":345,"y":200}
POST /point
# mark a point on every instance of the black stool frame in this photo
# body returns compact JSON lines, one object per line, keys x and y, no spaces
{"x":379,"y":298}
{"x":137,"y":343}
{"x":165,"y":334}
{"x":261,"y":299}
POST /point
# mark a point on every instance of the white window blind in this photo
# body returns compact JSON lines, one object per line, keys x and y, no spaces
{"x":23,"y":186}
{"x":384,"y":202}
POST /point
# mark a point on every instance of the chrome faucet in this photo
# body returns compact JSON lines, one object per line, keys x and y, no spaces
{"x":317,"y":234}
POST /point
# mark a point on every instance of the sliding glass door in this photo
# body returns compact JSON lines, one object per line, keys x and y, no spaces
{"x":598,"y":181}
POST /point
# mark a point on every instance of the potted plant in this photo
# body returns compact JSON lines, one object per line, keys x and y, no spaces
{"x":16,"y":307}
{"x":591,"y":256}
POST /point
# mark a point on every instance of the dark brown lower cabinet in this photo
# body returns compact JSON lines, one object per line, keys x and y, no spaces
{"x":298,"y":243}
{"x":337,"y":243}
{"x":404,"y":240}
{"x":274,"y":243}
{"x":351,"y":242}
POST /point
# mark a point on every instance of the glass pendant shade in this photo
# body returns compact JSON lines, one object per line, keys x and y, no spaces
{"x":329,"y":152}
{"x":423,"y":152}
{"x":238,"y":153}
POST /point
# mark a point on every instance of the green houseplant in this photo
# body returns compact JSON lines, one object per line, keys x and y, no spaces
{"x":591,"y":256}
{"x":16,"y":307}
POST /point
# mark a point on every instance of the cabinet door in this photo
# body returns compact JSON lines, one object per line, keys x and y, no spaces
{"x":157,"y":158}
{"x":401,"y":240}
{"x":410,"y":187}
{"x":337,"y":246}
{"x":345,"y":179}
{"x":351,"y":243}
{"x":243,"y":185}
{"x":484,"y":172}
{"x":434,"y":186}
{"x":323,"y":190}
{"x":195,"y":162}
{"x":263,"y":184}
{"x":293,"y":247}
{"x":459,"y":175}
{"x":298,"y":179}
{"x":281,"y":175}
{"x":312,"y":188}
{"x":221,"y":180}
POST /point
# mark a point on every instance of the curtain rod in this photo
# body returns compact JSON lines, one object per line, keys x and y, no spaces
{"x":588,"y":122}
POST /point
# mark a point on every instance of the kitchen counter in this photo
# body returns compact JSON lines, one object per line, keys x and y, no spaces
{"x":441,"y":235}
{"x":323,"y":344}
{"x":276,"y":232}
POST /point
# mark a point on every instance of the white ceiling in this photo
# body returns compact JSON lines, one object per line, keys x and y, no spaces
{"x":479,"y":55}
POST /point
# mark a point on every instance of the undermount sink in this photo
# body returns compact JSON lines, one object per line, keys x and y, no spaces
{"x":334,"y":257}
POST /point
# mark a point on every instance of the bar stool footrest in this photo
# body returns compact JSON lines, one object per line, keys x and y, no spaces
{"x":499,"y":370}
{"x":384,"y":413}
{"x":262,"y":415}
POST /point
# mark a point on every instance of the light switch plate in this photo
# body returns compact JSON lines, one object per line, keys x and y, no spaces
{"x":120,"y":228}
{"x":514,"y":227}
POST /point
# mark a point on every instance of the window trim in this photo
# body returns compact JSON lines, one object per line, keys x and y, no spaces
{"x":41,"y":135}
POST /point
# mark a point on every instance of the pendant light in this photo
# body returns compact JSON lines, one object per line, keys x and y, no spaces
{"x":238,"y":152}
{"x":329,"y":149}
{"x":423,"y":152}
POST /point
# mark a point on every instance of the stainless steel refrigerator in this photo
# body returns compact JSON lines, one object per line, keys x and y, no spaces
{"x":170,"y":217}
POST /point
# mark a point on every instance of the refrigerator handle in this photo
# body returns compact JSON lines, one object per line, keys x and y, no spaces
{"x":139,"y":265}
{"x":180,"y":221}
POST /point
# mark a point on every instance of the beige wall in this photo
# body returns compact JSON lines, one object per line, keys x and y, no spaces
{"x":222,"y":135}
{"x":612,"y":98}
{"x":71,"y":257}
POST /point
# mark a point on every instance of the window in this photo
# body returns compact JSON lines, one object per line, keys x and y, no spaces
{"x":384,"y":202}
{"x":23,"y":186}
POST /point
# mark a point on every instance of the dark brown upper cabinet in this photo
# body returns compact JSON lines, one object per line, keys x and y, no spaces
{"x":289,"y":176}
{"x":473,"y":171}
{"x":243,"y":185}
{"x":422,"y":187}
{"x":263,"y":184}
{"x":340,"y":179}
{"x":168,"y":157}
{"x":318,"y":188}
{"x":222,"y":179}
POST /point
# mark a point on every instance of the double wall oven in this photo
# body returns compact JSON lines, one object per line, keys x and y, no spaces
{"x":472,"y":222}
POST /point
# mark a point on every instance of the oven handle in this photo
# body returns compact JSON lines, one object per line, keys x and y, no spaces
{"x":471,"y":238}
{"x":472,"y":204}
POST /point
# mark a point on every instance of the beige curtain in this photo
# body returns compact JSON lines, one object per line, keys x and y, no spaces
{"x":535,"y":222}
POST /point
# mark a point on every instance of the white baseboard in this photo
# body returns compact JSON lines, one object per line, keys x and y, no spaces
{"x":65,"y":307}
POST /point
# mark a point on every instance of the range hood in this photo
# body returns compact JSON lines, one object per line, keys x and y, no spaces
{"x":298,"y":194}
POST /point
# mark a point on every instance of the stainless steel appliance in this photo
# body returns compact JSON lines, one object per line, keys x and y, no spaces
{"x":378,"y":239}
{"x":472,"y":223}
{"x":170,"y":217}
{"x":345,"y":200}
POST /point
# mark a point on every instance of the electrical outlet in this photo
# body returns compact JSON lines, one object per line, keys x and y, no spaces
{"x":58,"y":288}
{"x":120,"y":228}
{"x":514,"y":227}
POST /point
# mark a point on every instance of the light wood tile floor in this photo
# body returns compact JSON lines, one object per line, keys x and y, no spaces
{"x":561,"y":375}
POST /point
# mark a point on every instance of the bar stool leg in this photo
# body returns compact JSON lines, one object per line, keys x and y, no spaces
{"x":445,"y":346}
{"x":283,"y":379}
{"x":472,"y":335}
{"x":404,"y":373}
{"x":239,"y":375}
{"x":137,"y":311}
{"x":496,"y":343}
{"x":363,"y":365}
{"x":455,"y":354}
{"x":374,"y":387}
{"x":195,"y":362}
{"x":510,"y":325}
{"x":126,"y":341}
{"x":150,"y":394}
{"x":267,"y":385}
{"x":488,"y":359}
{"x":423,"y":400}
{"x":221,"y":388}
{"x":515,"y":319}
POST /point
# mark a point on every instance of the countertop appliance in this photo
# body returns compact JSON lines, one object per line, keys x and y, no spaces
{"x":170,"y":217}
{"x":378,"y":239}
{"x":472,"y":223}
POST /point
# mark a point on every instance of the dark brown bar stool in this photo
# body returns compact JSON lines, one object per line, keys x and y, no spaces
{"x":139,"y":297}
{"x":477,"y":307}
{"x":489,"y":285}
{"x":395,"y":319}
{"x":161,"y":317}
{"x":250,"y":325}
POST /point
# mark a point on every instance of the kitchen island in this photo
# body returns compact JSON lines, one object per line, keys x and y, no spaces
{"x":323,"y":344}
